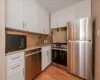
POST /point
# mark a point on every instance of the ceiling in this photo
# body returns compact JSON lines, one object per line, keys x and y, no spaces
{"x":54,"y":5}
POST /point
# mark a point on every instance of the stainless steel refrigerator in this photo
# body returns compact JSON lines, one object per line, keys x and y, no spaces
{"x":79,"y":40}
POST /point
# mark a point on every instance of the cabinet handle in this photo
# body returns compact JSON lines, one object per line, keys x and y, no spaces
{"x":44,"y":30}
{"x":23,"y":24}
{"x":15,"y":58}
{"x":15,"y":67}
{"x":47,"y":53}
{"x":23,"y":72}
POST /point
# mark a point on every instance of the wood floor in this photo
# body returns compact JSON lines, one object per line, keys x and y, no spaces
{"x":54,"y":73}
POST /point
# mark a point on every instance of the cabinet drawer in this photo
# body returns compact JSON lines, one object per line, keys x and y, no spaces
{"x":17,"y":76}
{"x":12,"y":69}
{"x":46,"y":48}
{"x":14,"y":58}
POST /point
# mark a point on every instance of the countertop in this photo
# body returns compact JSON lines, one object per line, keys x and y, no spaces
{"x":9,"y":53}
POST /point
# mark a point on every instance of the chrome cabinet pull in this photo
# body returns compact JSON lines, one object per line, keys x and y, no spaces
{"x":23,"y":72}
{"x":15,"y":58}
{"x":23,"y":25}
{"x":47,"y":53}
{"x":15,"y":67}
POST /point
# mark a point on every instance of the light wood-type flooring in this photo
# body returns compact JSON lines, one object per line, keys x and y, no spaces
{"x":55,"y":73}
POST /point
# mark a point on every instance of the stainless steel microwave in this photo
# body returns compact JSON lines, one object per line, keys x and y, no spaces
{"x":15,"y":42}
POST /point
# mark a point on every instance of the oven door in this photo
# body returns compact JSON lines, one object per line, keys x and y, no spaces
{"x":59,"y":57}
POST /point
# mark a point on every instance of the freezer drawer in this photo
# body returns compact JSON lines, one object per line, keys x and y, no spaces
{"x":80,"y":29}
{"x":80,"y":59}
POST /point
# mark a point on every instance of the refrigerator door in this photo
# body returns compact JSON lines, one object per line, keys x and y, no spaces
{"x":80,"y":29}
{"x":80,"y":59}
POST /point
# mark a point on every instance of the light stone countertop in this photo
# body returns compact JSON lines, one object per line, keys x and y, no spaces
{"x":9,"y":53}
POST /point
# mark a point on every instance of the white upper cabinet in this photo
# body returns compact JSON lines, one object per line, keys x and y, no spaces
{"x":43,"y":21}
{"x":83,"y":9}
{"x":46,"y":23}
{"x":40,"y":27}
{"x":30,"y":15}
{"x":59,"y":18}
{"x":14,"y":14}
{"x":67,"y":14}
{"x":79,"y":10}
{"x":54,"y":19}
{"x":27,"y":15}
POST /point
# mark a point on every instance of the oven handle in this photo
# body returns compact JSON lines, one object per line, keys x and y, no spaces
{"x":32,"y":53}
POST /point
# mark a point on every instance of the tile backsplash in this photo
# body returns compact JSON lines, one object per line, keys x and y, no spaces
{"x":33,"y":39}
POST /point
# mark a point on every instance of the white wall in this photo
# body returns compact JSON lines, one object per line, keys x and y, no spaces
{"x":2,"y":40}
{"x":96,"y":15}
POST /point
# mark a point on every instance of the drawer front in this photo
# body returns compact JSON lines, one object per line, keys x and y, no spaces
{"x":17,"y":76}
{"x":12,"y":69}
{"x":14,"y":58}
{"x":46,"y":48}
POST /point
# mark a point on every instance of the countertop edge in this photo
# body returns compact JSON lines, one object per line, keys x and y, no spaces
{"x":10,"y":53}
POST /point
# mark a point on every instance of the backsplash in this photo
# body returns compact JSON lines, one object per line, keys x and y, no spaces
{"x":33,"y":39}
{"x":59,"y":35}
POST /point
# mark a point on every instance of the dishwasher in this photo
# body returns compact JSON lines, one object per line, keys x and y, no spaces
{"x":32,"y":63}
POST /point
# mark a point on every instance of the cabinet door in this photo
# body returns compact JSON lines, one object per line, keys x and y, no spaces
{"x":61,"y":17}
{"x":54,"y":23}
{"x":17,"y":76}
{"x":14,"y":14}
{"x":46,"y":22}
{"x":43,"y":21}
{"x":65,"y":15}
{"x":30,"y":10}
{"x":44,"y":59}
{"x":46,"y":56}
{"x":49,"y":56}
{"x":83,"y":9}
{"x":40,"y":27}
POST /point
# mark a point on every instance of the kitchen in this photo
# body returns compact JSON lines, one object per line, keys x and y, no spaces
{"x":32,"y":33}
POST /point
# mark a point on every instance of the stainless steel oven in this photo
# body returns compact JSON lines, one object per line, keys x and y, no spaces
{"x":59,"y":57}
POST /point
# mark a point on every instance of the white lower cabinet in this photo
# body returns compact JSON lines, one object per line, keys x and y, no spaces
{"x":49,"y":55}
{"x":15,"y":66}
{"x":44,"y":60}
{"x":46,"y":56}
{"x":16,"y":76}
